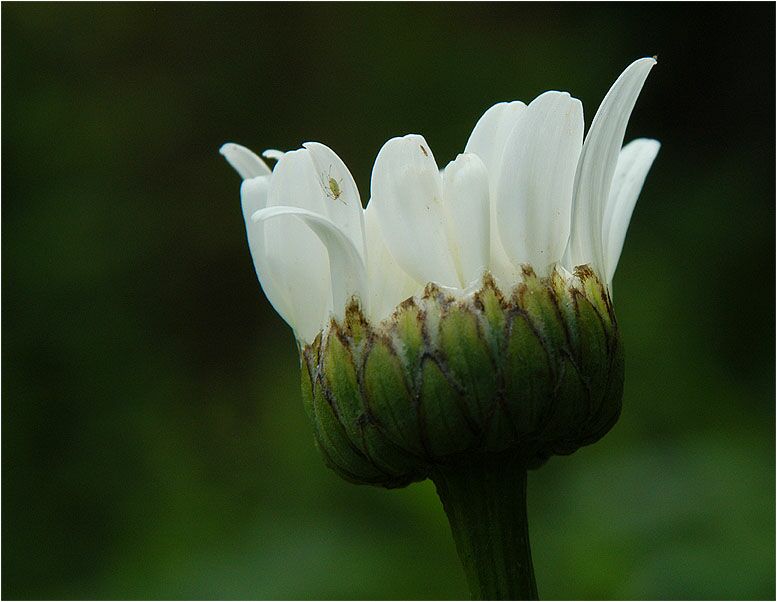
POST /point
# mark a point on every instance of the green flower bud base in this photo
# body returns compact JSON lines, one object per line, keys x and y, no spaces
{"x":470,"y":392}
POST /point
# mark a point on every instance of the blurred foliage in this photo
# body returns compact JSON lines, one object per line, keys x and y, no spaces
{"x":154,"y":442}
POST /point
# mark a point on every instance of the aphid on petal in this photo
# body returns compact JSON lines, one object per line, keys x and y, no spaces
{"x":332,"y":187}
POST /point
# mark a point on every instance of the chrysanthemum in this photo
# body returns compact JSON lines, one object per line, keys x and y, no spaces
{"x":461,"y":326}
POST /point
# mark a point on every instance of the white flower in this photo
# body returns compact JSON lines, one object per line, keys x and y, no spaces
{"x":527,"y":190}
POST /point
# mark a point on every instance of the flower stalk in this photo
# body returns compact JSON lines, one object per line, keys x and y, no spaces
{"x":485,"y":500}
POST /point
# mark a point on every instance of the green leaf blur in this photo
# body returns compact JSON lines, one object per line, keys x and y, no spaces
{"x":154,"y":438}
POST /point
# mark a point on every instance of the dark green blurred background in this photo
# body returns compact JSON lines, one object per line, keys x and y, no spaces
{"x":154,"y":440}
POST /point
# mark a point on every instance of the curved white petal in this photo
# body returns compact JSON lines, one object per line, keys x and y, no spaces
{"x":297,"y":236}
{"x":293,"y":268}
{"x":488,"y":138}
{"x":340,"y":195}
{"x":348,"y":272}
{"x":465,"y":195}
{"x":253,"y":195}
{"x":294,"y":183}
{"x":487,"y":141}
{"x":597,"y":165}
{"x":407,"y":199}
{"x":273,"y":153}
{"x":634,"y":162}
{"x":245,"y":162}
{"x":389,"y":284}
{"x":270,"y":271}
{"x":534,"y":192}
{"x":301,"y":257}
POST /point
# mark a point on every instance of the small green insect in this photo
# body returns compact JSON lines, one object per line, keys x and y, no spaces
{"x":332,"y":187}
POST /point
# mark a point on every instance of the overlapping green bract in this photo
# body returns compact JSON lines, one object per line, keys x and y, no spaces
{"x":540,"y":372}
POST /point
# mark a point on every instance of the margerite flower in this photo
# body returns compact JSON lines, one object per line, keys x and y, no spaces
{"x":461,"y":326}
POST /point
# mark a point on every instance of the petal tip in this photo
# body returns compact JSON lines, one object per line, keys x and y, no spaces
{"x":227,"y":148}
{"x":243,"y":161}
{"x":273,"y":154}
{"x":651,"y":143}
{"x":647,"y":61}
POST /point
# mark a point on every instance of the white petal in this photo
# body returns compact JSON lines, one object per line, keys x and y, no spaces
{"x":271,"y":272}
{"x":634,"y":162}
{"x":534,"y":192}
{"x":488,"y":142}
{"x":321,"y":273}
{"x":272,"y":153}
{"x":301,"y":257}
{"x":500,"y":266}
{"x":253,"y":195}
{"x":488,"y":138}
{"x":389,"y":284}
{"x":340,"y":196}
{"x":597,"y":165}
{"x":294,"y":272}
{"x":245,"y":162}
{"x":348,"y":272}
{"x":465,"y":194}
{"x":294,"y":183}
{"x":407,"y":199}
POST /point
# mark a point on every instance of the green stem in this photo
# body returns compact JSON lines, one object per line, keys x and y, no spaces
{"x":485,"y":500}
